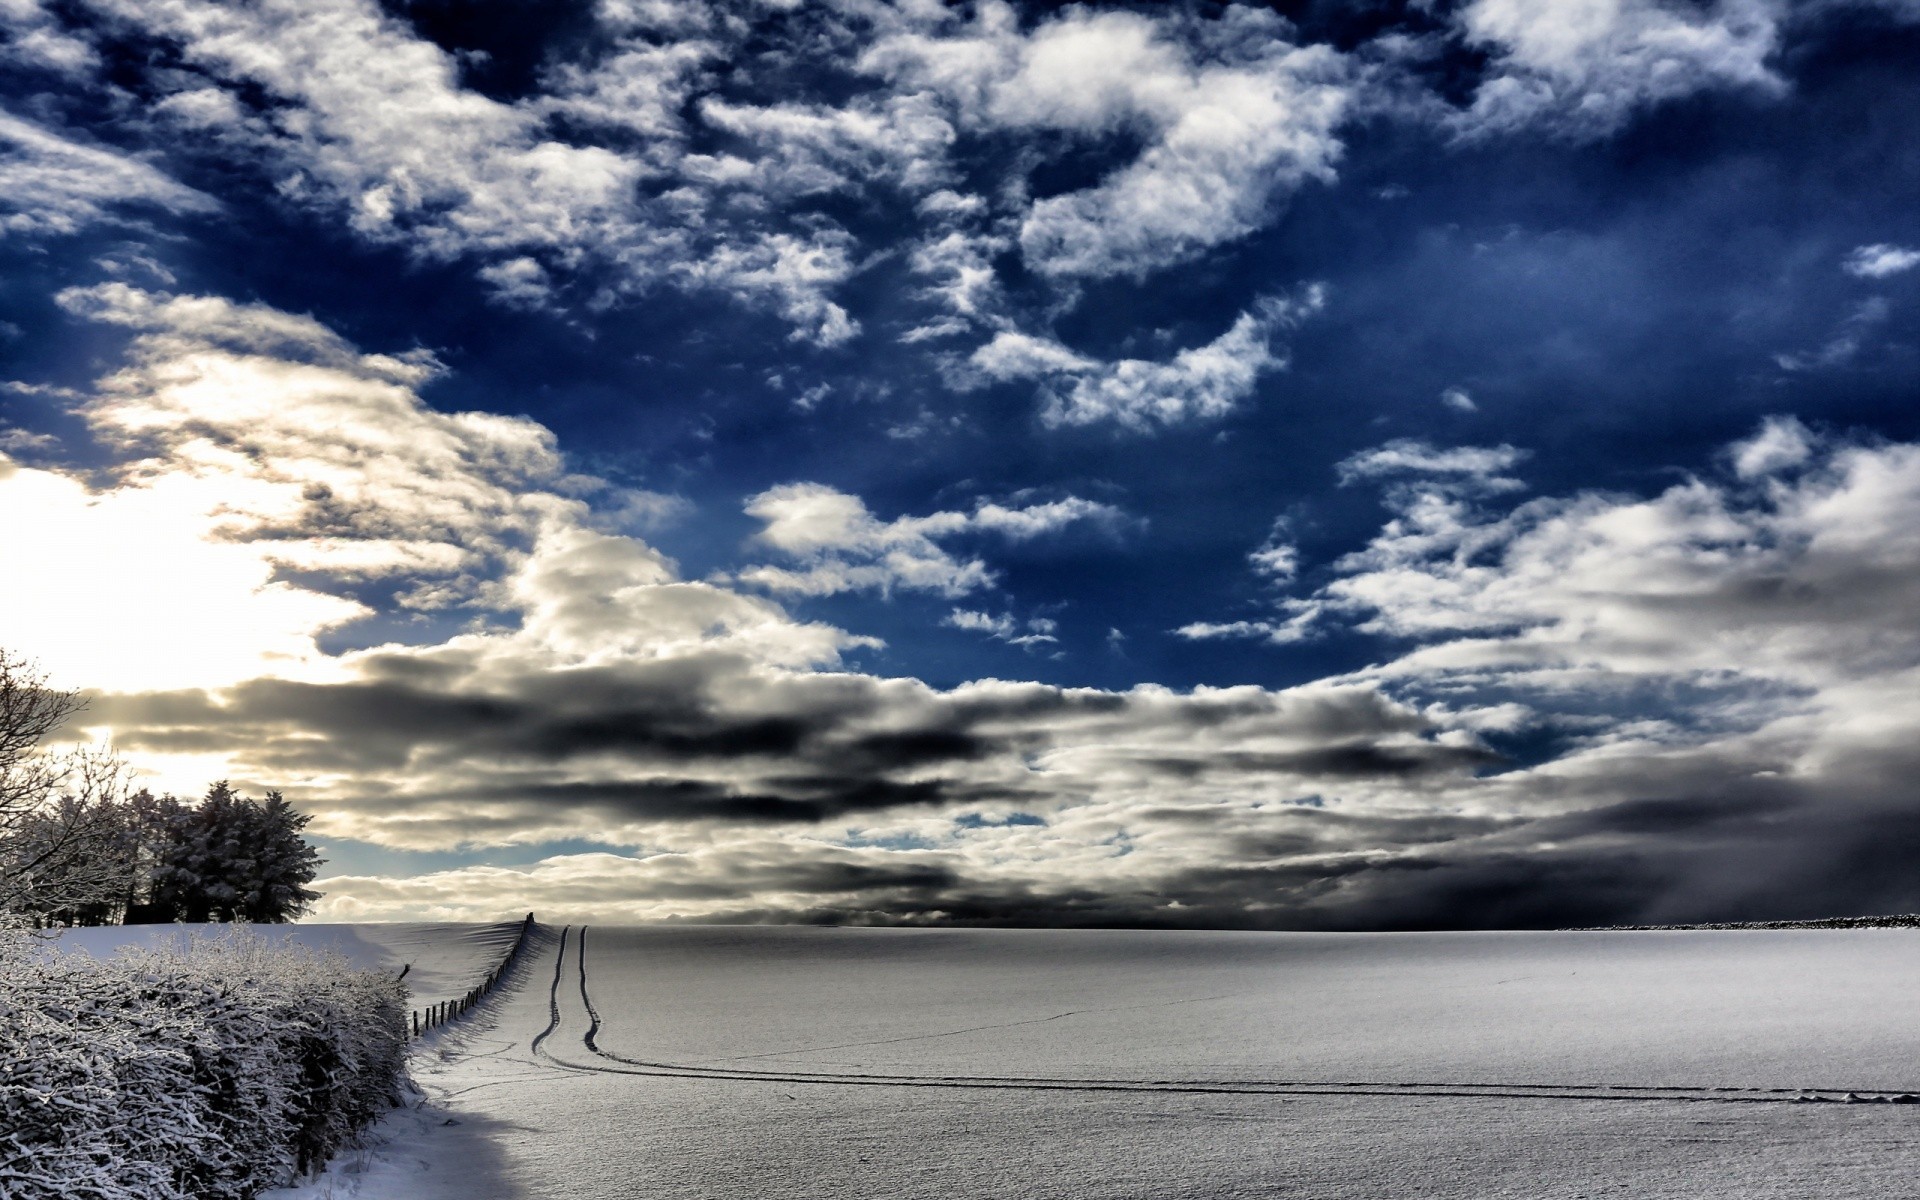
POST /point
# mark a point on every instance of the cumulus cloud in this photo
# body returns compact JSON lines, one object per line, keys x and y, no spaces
{"x":1797,"y":584}
{"x":357,"y":116}
{"x":1197,"y":384}
{"x":1277,"y":558}
{"x":36,"y":38}
{"x":599,"y":695}
{"x":1583,"y":707}
{"x":678,"y":153}
{"x":1230,"y":120}
{"x":1295,"y":624}
{"x":1880,"y":260}
{"x":1722,"y":668}
{"x":252,"y":444}
{"x":379,"y":127}
{"x":1584,"y":68}
{"x":16,"y":441}
{"x":1781,"y":443}
{"x":51,"y":184}
{"x":1035,"y":631}
{"x":1715,"y":670}
{"x":683,"y":151}
{"x":792,"y":274}
{"x":841,"y":546}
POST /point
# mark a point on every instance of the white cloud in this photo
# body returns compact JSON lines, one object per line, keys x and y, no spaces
{"x":966,"y":282}
{"x":841,"y":546}
{"x":1015,"y":355}
{"x":1480,"y":466}
{"x":1197,"y":384}
{"x":14,"y":440}
{"x":1736,"y":663}
{"x":251,"y":442}
{"x":34,"y":37}
{"x":1845,"y":344}
{"x":806,"y":149}
{"x":519,"y":282}
{"x":1458,"y":400}
{"x":1680,"y":645}
{"x":367,"y":120}
{"x":1584,"y":67}
{"x":1277,"y":558}
{"x":379,"y":127}
{"x":792,"y":274}
{"x":1781,"y":443}
{"x":643,"y":165}
{"x":1035,"y":631}
{"x":1295,"y":626}
{"x":1797,"y":584}
{"x":50,"y":184}
{"x":639,"y":88}
{"x":1203,"y":383}
{"x":1000,"y":626}
{"x":1232,"y":121}
{"x":1880,"y":260}
{"x":1033,"y":520}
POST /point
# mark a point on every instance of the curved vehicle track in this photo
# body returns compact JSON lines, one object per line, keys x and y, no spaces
{"x":613,"y":1063}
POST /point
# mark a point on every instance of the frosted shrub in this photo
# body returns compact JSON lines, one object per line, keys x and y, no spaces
{"x":211,"y":1068}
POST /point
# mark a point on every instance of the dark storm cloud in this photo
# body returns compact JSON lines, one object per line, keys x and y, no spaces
{"x":1769,"y":853}
{"x":830,"y":753}
{"x":1335,"y":762}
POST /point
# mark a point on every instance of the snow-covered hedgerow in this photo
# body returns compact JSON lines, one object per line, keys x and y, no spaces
{"x":208,"y":1068}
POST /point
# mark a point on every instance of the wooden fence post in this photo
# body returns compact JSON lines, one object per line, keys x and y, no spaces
{"x":445,"y":1010}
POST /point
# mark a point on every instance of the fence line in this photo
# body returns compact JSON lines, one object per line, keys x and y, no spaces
{"x":434,"y":1015}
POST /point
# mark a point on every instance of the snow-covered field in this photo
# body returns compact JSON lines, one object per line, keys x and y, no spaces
{"x":767,"y":1062}
{"x":791,"y":1062}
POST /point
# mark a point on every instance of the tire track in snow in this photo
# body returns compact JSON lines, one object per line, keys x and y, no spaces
{"x":553,"y":996}
{"x":1643,"y":1093}
{"x":586,"y":1001}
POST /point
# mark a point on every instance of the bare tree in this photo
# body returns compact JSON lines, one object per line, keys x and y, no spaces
{"x":61,"y":843}
{"x":29,"y":711}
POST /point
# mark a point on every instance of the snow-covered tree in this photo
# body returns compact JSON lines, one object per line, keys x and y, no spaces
{"x":77,"y":849}
{"x":283,"y":864}
{"x":230,"y":858}
{"x":60,"y":833}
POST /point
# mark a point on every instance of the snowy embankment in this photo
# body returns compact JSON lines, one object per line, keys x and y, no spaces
{"x":173,"y":1061}
{"x":441,"y":960}
{"x":789,"y":1062}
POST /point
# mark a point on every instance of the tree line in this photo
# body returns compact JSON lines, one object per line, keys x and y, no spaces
{"x":79,"y":847}
{"x":154,"y":859}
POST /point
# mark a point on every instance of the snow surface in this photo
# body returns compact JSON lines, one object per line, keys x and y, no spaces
{"x":443,"y":960}
{"x":791,"y":1062}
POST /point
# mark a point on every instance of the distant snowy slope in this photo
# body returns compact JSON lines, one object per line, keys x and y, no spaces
{"x":445,"y":960}
{"x":1803,"y":1009}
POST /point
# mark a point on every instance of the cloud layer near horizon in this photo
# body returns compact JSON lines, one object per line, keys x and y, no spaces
{"x":1684,"y":702}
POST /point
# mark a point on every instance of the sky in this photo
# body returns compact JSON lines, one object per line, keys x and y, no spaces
{"x":1369,"y":465}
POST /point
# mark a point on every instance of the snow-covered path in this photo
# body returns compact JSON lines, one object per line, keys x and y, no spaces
{"x":906,"y":1063}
